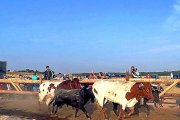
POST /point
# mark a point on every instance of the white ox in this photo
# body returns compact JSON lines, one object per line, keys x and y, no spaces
{"x":126,"y":94}
{"x":47,"y":91}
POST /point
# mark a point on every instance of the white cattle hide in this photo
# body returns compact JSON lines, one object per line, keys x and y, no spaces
{"x":114,"y":91}
{"x":44,"y":92}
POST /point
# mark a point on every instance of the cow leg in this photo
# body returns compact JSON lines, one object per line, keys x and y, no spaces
{"x":121,"y":113}
{"x":136,"y":108}
{"x":155,"y":104}
{"x":76,"y":111}
{"x":102,"y":111}
{"x":39,"y":105}
{"x":115,"y":107}
{"x":131,"y":112}
{"x":53,"y":108}
{"x":85,"y":112}
{"x":161,"y":102}
{"x":148,"y":109}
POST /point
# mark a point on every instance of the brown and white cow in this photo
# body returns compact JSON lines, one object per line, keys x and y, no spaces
{"x":126,"y":94}
{"x":47,"y":88}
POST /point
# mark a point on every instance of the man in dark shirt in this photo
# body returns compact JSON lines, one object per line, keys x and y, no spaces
{"x":48,"y":74}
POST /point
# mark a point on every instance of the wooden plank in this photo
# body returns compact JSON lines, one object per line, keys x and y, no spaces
{"x":17,"y":92}
{"x":18,"y":87}
{"x":170,"y":95}
{"x":14,"y":85}
{"x":91,"y":80}
{"x":133,"y":80}
{"x":20,"y":81}
{"x":168,"y":88}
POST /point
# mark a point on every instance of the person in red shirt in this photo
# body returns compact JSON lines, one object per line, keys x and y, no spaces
{"x":148,"y":76}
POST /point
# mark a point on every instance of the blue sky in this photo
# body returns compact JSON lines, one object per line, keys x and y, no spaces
{"x":85,"y":35}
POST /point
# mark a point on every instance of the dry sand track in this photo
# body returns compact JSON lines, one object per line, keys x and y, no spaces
{"x":26,"y":108}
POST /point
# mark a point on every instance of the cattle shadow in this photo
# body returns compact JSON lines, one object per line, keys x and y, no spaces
{"x":90,"y":107}
{"x":178,"y":101}
{"x":29,"y":115}
{"x":20,"y":113}
{"x":109,"y":109}
{"x":178,"y":115}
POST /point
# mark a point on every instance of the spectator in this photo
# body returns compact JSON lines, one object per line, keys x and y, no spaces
{"x":100,"y":75}
{"x":171,"y":75}
{"x":134,"y":72}
{"x":7,"y":85}
{"x":59,"y":76}
{"x":148,"y":76}
{"x":48,"y":74}
{"x":35,"y":86}
{"x":66,"y":77}
{"x":92,"y":76}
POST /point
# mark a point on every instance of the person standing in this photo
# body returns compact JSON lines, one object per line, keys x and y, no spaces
{"x":48,"y":74}
{"x":35,"y":87}
{"x":171,"y":75}
{"x":134,"y":72}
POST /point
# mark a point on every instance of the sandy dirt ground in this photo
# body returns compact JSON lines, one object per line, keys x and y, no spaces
{"x":26,"y":108}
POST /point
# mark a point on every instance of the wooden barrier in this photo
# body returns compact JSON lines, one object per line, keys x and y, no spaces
{"x":171,"y":95}
{"x":168,"y":88}
{"x":17,"y":92}
{"x":173,"y":81}
{"x":20,"y":81}
{"x":15,"y":82}
{"x":133,"y":80}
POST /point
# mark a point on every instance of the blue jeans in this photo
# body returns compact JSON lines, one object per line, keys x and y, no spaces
{"x":35,"y":89}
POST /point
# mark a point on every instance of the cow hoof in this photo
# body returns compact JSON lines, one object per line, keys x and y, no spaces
{"x":127,"y":117}
{"x":119,"y":119}
{"x":53,"y":115}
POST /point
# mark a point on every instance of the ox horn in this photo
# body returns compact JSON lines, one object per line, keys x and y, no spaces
{"x":140,"y":85}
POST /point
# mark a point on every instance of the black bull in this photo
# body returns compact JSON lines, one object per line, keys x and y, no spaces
{"x":76,"y":98}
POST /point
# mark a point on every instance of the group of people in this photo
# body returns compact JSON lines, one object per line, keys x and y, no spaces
{"x":49,"y":75}
{"x":100,"y":75}
{"x":134,"y":73}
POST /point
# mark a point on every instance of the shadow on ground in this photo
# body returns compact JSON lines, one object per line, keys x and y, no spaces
{"x":29,"y":115}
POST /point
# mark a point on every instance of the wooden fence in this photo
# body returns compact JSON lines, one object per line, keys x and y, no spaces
{"x":18,"y":90}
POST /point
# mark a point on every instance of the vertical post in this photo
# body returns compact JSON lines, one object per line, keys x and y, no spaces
{"x":127,"y":75}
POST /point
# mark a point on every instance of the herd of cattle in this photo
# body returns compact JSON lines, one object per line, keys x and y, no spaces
{"x":126,"y":95}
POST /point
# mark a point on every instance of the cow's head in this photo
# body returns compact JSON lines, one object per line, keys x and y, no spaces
{"x":145,"y":90}
{"x":47,"y":89}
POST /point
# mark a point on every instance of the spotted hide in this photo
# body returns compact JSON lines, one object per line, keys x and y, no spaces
{"x":126,"y":94}
{"x":47,"y":89}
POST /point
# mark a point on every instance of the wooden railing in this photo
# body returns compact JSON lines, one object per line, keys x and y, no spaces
{"x":16,"y":83}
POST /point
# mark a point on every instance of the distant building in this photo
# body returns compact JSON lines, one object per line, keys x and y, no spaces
{"x":2,"y":69}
